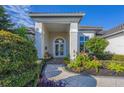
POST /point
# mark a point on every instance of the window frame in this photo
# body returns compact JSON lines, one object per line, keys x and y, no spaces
{"x":84,"y":41}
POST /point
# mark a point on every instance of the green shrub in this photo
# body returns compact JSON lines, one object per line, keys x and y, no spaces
{"x":18,"y":58}
{"x":39,"y":68}
{"x":104,"y":56}
{"x":74,"y":66}
{"x":82,"y":57}
{"x":94,"y":64}
{"x":83,"y":62}
{"x":66,"y":60}
{"x":79,"y":63}
{"x":116,"y":67}
{"x":96,"y":45}
{"x":22,"y":31}
{"x":118,"y":57}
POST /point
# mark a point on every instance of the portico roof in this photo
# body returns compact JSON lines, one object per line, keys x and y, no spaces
{"x":37,"y":14}
{"x":57,"y":17}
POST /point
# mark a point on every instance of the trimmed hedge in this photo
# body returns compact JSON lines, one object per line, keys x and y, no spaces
{"x":18,"y":58}
{"x":118,"y":57}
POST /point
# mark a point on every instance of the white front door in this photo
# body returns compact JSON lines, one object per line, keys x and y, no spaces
{"x":59,"y":47}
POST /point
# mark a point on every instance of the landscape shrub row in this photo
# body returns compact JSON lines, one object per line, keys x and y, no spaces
{"x":18,"y":60}
{"x":84,"y":63}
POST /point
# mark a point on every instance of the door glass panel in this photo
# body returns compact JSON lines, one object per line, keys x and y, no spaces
{"x":61,"y":49}
{"x":57,"y":49}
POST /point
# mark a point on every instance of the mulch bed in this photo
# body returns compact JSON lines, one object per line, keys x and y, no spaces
{"x":104,"y":72}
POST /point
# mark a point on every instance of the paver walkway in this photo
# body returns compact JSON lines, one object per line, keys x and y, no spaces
{"x":57,"y":72}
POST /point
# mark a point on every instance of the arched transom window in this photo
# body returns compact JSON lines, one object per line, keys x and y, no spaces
{"x":59,"y":40}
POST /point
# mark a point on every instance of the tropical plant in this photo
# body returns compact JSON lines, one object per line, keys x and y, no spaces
{"x":116,"y":67}
{"x":94,"y":64}
{"x":79,"y":63}
{"x":5,"y":22}
{"x":96,"y":45}
{"x":74,"y":66}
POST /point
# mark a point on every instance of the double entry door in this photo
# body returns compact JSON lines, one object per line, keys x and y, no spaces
{"x":59,"y":48}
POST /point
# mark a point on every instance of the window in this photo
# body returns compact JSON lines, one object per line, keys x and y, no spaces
{"x":83,"y":39}
{"x":59,"y":40}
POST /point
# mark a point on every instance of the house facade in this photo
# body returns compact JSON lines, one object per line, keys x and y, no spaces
{"x":115,"y":37}
{"x":60,"y":34}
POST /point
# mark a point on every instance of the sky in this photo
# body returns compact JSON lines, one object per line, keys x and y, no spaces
{"x":103,"y":16}
{"x":19,"y":15}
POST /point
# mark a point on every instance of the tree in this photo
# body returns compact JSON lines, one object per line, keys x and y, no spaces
{"x":5,"y":22}
{"x":96,"y":45}
{"x":22,"y":31}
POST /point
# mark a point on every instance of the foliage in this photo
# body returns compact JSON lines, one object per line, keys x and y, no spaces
{"x":82,"y":57}
{"x":40,"y":67}
{"x":17,"y":60}
{"x":74,"y":66}
{"x":96,"y":45}
{"x":94,"y":64}
{"x":83,"y":62}
{"x":5,"y":22}
{"x":118,"y":57}
{"x":66,"y":60}
{"x":22,"y":31}
{"x":78,"y":64}
{"x":117,"y":67}
{"x":104,"y":56}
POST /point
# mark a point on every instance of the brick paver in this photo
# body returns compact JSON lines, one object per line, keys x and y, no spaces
{"x":57,"y":72}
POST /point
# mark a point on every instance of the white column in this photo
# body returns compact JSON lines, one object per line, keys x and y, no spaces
{"x":39,"y":40}
{"x":73,"y":40}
